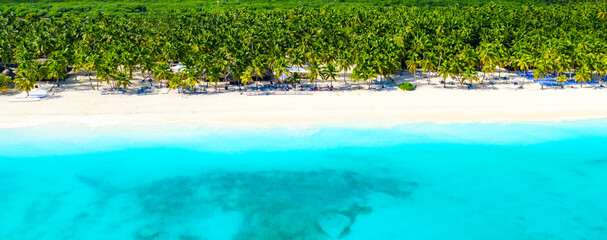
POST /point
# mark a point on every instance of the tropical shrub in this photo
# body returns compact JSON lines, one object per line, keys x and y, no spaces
{"x":406,"y":86}
{"x":5,"y":82}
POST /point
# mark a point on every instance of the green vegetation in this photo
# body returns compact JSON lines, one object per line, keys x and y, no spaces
{"x":247,"y":45}
{"x":5,"y":82}
{"x":53,"y":8}
{"x":406,"y":86}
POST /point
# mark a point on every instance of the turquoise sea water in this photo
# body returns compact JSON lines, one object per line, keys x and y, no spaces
{"x":415,"y":181}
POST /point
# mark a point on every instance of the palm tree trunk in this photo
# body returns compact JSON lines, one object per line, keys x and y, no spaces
{"x":225,"y":85}
{"x":524,"y":73}
{"x":484,"y":76}
{"x":90,"y":80}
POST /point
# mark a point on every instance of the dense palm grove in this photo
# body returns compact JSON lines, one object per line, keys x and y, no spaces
{"x":55,"y":8}
{"x":244,"y":46}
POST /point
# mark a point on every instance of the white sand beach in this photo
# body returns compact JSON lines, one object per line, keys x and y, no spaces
{"x":348,"y":105}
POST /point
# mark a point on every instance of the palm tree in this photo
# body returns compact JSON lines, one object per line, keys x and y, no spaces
{"x":562,"y":79}
{"x":294,"y":78}
{"x":487,"y":59}
{"x":25,"y":81}
{"x":28,"y":73}
{"x":444,"y":71}
{"x":279,"y":67}
{"x":522,"y":62}
{"x":540,"y":72}
{"x":412,"y":64}
{"x":82,"y":63}
{"x":191,"y":79}
{"x":583,"y":75}
{"x":259,"y":67}
{"x":314,"y":71}
{"x":470,"y":75}
{"x":162,"y":71}
{"x":176,"y":81}
{"x":214,"y":73}
{"x":369,"y":73}
{"x":427,"y":66}
{"x":344,"y":65}
{"x":329,"y":72}
{"x":122,"y":79}
{"x":246,"y":77}
{"x":56,"y":69}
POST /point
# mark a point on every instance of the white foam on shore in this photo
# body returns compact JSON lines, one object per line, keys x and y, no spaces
{"x":51,"y":138}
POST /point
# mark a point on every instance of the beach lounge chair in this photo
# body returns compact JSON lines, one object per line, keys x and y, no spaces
{"x":164,"y":90}
{"x":39,"y":93}
{"x":524,"y":73}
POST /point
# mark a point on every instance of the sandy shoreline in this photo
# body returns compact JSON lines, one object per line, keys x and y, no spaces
{"x":430,"y":103}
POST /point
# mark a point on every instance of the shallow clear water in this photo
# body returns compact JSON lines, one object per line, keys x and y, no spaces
{"x":415,"y":181}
